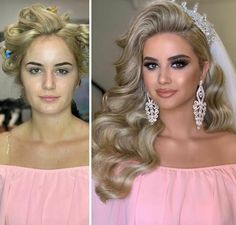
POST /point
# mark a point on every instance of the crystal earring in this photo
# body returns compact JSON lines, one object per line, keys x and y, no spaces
{"x":152,"y":110}
{"x":199,"y":106}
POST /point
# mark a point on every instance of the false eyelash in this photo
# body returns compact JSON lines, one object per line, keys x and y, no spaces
{"x":147,"y":65}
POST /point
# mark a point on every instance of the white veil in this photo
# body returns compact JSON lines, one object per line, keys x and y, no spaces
{"x":221,"y":57}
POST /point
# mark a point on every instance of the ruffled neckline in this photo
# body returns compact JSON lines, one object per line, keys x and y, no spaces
{"x":206,"y":168}
{"x":22,"y":168}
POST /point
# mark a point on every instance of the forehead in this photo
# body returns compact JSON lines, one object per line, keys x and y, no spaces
{"x":167,"y":43}
{"x":49,"y":49}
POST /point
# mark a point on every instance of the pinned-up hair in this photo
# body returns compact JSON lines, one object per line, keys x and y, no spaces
{"x":38,"y":20}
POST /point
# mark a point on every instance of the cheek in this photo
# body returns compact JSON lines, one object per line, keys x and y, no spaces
{"x":188,"y":84}
{"x":76,"y":81}
{"x":187,"y":79}
{"x":29,"y":85}
{"x":149,"y":79}
{"x":67,"y":87}
{"x":30,"y":88}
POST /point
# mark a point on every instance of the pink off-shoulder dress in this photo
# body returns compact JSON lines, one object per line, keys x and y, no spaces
{"x":43,"y":197}
{"x":169,"y":196}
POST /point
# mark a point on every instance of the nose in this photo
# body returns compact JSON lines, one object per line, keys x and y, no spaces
{"x":48,"y":81}
{"x":164,"y":76}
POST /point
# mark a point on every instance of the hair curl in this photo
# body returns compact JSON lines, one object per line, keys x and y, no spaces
{"x":123,"y":139}
{"x":38,"y":20}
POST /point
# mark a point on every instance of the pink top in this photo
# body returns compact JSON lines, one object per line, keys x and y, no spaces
{"x":169,"y":196}
{"x":43,"y":197}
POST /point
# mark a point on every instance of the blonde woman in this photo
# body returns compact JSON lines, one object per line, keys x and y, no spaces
{"x":164,"y":144}
{"x":44,"y":161}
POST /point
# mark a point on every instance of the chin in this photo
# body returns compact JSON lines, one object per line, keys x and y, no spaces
{"x":49,"y":110}
{"x":175,"y":105}
{"x":167,"y":104}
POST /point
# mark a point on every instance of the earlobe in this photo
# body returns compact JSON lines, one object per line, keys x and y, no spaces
{"x":78,"y":83}
{"x":205,"y":70}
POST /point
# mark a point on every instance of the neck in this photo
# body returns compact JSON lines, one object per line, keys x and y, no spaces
{"x":50,"y":128}
{"x":180,"y":123}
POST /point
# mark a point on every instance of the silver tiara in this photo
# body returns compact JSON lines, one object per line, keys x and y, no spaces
{"x":201,"y":21}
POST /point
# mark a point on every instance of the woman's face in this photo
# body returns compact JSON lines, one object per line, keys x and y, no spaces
{"x":49,"y":75}
{"x":171,"y":70}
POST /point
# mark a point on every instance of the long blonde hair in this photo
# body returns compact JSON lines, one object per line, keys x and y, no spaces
{"x":38,"y":20}
{"x":123,"y":139}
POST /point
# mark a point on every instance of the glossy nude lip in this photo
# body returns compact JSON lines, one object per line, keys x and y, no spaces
{"x":165,"y":93}
{"x":48,"y":98}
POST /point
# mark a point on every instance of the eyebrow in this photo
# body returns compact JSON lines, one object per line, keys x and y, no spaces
{"x":178,"y":56}
{"x":57,"y":65}
{"x":34,"y":63}
{"x":169,"y":59}
{"x":63,"y":64}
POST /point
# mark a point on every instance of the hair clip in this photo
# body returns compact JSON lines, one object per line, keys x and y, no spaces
{"x":8,"y":53}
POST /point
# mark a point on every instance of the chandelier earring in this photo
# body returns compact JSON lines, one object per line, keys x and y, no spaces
{"x":199,"y":106}
{"x":152,"y":110}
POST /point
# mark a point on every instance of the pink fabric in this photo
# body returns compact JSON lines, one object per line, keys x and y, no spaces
{"x":168,"y":196}
{"x":43,"y":197}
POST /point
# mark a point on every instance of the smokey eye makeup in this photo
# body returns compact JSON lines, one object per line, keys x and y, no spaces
{"x":150,"y":65}
{"x":175,"y":62}
{"x":179,"y":63}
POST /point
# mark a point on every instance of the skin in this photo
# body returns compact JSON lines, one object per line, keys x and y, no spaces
{"x":171,"y":74}
{"x":171,"y":67}
{"x":51,"y":138}
{"x":49,"y":71}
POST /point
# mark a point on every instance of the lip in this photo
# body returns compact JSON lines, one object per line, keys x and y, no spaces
{"x":165,"y":93}
{"x":49,"y":98}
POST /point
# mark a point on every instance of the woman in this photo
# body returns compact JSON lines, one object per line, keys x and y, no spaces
{"x":176,"y":162}
{"x":44,"y":161}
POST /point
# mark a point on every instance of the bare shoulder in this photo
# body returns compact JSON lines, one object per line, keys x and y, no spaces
{"x":221,"y":138}
{"x":226,"y":138}
{"x":230,"y":141}
{"x":81,"y":129}
{"x":81,"y":143}
{"x":226,"y":142}
{"x":3,"y":140}
{"x":3,"y":147}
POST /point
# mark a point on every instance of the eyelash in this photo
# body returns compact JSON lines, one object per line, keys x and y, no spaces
{"x":59,"y":71}
{"x":62,"y":72}
{"x":177,"y":64}
{"x":34,"y":71}
{"x":150,"y":65}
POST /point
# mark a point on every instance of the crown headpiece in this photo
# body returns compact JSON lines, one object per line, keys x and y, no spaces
{"x":201,"y":21}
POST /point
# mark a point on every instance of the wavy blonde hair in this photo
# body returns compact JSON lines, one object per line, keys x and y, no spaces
{"x":123,"y":139}
{"x":38,"y":20}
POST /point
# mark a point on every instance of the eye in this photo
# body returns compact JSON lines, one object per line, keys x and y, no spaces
{"x":150,"y":65}
{"x":179,"y":64}
{"x":62,"y":71}
{"x":34,"y":70}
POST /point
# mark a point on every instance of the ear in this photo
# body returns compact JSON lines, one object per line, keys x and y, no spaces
{"x":204,"y":70}
{"x":78,"y":83}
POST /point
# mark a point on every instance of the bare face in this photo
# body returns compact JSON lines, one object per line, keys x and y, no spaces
{"x":49,"y":75}
{"x":171,"y":70}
